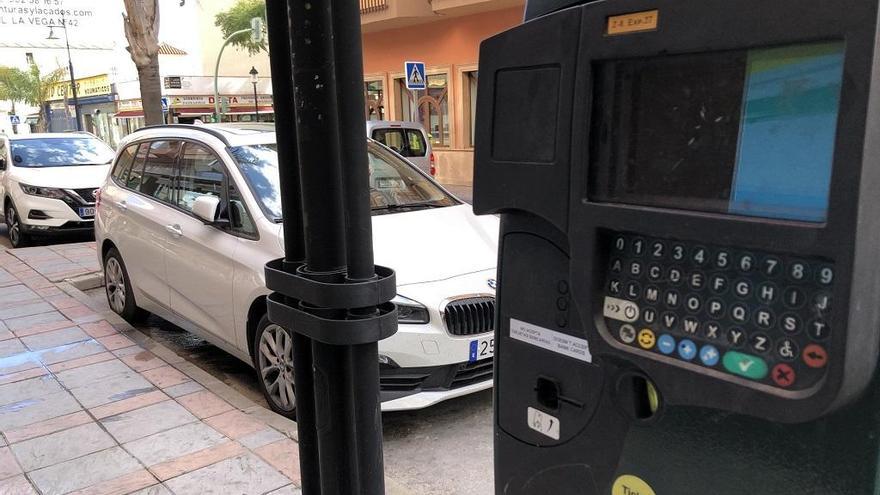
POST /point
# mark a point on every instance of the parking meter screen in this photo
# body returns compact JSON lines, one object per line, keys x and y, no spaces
{"x":747,"y":132}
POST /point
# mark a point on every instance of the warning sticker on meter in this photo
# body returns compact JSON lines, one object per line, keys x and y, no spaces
{"x":551,"y":340}
{"x":543,"y":423}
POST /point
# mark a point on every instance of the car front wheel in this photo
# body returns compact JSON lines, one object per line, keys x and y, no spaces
{"x":117,"y":286}
{"x":13,"y":228}
{"x":273,"y":360}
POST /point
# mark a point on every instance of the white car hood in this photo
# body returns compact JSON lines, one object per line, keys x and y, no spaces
{"x":434,"y":244}
{"x":69,"y":177}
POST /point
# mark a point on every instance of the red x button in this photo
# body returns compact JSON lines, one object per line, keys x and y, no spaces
{"x":815,"y":356}
{"x":783,"y":375}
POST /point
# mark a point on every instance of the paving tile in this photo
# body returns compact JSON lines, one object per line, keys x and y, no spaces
{"x":61,"y":446}
{"x":77,"y":312}
{"x":89,"y":374}
{"x":111,"y":389}
{"x":23,"y":375}
{"x":146,"y":421}
{"x":49,"y":291}
{"x":101,"y":328}
{"x":286,"y":490}
{"x":165,"y":376}
{"x":130,"y":404}
{"x":183,"y":389}
{"x":196,"y":460}
{"x":143,"y":361}
{"x":128,"y":351}
{"x":80,"y":362}
{"x":175,"y":443}
{"x":43,"y":327}
{"x":8,"y":466}
{"x":55,"y":338}
{"x":18,"y":485}
{"x":64,"y":302}
{"x":152,"y":490}
{"x":121,"y":485}
{"x":47,"y":427}
{"x":204,"y":404}
{"x":243,"y":475}
{"x":235,"y":424}
{"x":28,"y":325}
{"x":70,"y":352}
{"x":18,"y":310}
{"x":113,"y":342}
{"x":33,"y":410}
{"x":11,"y":347}
{"x":28,"y":389}
{"x":84,"y":471}
{"x":260,"y":438}
{"x":284,"y":456}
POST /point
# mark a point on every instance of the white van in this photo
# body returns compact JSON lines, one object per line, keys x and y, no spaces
{"x":408,"y":139}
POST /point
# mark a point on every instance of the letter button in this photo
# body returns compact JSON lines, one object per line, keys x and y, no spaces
{"x":760,"y":343}
{"x":633,"y":290}
{"x":655,"y":272}
{"x":742,"y":288}
{"x":764,"y":318}
{"x":715,"y":308}
{"x":736,"y":337}
{"x":767,"y":292}
{"x":616,"y":265}
{"x":672,"y":299}
{"x":620,"y":310}
{"x":674,"y":276}
{"x":719,"y":284}
{"x":697,"y":280}
{"x":790,"y":323}
{"x":614,"y":287}
{"x":635,"y":269}
{"x":693,"y":303}
{"x":669,"y":321}
{"x":739,"y":313}
{"x":822,"y":302}
{"x":712,"y":330}
{"x":818,"y":329}
{"x":793,"y":298}
{"x":745,"y":365}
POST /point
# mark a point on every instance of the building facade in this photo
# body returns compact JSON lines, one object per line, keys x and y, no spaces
{"x":446,"y":36}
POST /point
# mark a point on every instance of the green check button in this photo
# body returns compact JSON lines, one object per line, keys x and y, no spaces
{"x":745,"y":365}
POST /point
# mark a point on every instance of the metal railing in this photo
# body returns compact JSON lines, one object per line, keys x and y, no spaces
{"x":370,"y":6}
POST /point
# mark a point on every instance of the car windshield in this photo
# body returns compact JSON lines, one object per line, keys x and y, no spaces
{"x":60,"y":152}
{"x":395,"y":185}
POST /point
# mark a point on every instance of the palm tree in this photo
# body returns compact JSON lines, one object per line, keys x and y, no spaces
{"x":141,"y":21}
{"x":28,"y":87}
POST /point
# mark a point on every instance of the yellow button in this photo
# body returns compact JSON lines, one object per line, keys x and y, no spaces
{"x":631,"y":485}
{"x":647,"y":339}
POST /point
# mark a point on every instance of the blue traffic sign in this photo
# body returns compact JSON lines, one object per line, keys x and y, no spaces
{"x":164,"y":104}
{"x":415,"y":75}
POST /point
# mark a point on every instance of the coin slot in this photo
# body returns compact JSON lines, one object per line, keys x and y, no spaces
{"x":548,"y":393}
{"x":638,"y":397}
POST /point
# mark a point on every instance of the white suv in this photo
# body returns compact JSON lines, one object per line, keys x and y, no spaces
{"x":191,"y":214}
{"x":48,"y":183}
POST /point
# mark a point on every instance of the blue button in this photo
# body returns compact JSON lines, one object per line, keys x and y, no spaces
{"x":666,"y":344}
{"x":709,"y":355}
{"x":687,"y":350}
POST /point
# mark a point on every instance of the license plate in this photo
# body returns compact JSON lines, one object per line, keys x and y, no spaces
{"x":86,"y":212}
{"x":481,"y":349}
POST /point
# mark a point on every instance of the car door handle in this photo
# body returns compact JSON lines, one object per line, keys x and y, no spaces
{"x":174,"y":230}
{"x":122,"y":205}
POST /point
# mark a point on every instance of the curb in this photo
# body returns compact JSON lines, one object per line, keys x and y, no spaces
{"x":284,"y":425}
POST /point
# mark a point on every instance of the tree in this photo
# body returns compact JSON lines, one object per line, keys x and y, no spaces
{"x":238,"y":18}
{"x":141,"y":19}
{"x":28,"y":87}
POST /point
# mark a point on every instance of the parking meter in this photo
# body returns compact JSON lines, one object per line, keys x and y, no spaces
{"x":688,"y":281}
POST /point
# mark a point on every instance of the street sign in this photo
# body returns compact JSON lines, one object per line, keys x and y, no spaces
{"x":415,"y":75}
{"x":173,"y":82}
{"x":164,"y":104}
{"x":14,"y":119}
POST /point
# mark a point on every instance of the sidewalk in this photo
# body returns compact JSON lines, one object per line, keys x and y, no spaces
{"x":88,"y":405}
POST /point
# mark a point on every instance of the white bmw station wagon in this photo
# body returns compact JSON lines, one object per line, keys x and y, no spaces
{"x":189,"y":216}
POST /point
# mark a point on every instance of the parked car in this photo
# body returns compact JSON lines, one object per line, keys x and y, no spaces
{"x":48,"y":182}
{"x":190,"y":215}
{"x":407,"y":139}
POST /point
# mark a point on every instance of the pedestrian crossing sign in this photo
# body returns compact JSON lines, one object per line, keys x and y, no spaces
{"x":415,"y":75}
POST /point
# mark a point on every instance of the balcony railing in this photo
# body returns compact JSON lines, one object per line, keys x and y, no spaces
{"x":370,"y":6}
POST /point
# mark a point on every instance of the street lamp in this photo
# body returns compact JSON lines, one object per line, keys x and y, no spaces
{"x":52,"y":36}
{"x":254,"y":81}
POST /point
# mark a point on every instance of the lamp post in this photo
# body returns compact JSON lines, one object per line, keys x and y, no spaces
{"x":253,"y":72}
{"x":52,"y":36}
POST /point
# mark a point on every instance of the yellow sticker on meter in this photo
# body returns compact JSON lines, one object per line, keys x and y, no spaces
{"x":633,"y":23}
{"x":631,"y":485}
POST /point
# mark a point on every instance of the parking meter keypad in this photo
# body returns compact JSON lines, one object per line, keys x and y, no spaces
{"x":762,"y":318}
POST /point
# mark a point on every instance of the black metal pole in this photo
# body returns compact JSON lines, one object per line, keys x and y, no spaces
{"x":278,"y":26}
{"x":256,"y":109}
{"x":76,"y":108}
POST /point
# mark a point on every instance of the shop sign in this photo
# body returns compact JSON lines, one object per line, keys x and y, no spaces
{"x":87,"y":86}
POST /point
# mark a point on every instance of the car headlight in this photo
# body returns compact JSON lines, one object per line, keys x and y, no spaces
{"x":46,"y":192}
{"x":410,"y":312}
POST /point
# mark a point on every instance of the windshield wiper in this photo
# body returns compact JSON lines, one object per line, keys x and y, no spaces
{"x":407,"y":206}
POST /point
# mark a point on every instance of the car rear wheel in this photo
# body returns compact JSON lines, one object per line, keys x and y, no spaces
{"x":273,"y":360}
{"x":117,"y":286}
{"x":13,"y":228}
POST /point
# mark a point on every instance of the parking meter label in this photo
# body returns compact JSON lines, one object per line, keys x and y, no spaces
{"x":631,"y":485}
{"x":551,"y":340}
{"x":543,"y":423}
{"x":621,"y":310}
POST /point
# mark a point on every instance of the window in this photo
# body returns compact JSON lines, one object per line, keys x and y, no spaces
{"x":470,"y":90}
{"x":200,"y":173}
{"x":123,"y":164}
{"x":374,"y":96}
{"x":60,"y":152}
{"x":429,"y":107}
{"x":406,"y":142}
{"x":158,"y":180}
{"x":29,"y":58}
{"x":239,"y":219}
{"x":135,"y":176}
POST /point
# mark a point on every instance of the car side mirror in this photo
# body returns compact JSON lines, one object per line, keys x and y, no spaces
{"x":205,"y":207}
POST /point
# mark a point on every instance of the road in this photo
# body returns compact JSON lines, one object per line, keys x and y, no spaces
{"x":442,"y":450}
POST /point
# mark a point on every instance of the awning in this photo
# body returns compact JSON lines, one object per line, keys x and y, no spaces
{"x":198,"y":111}
{"x":129,"y":114}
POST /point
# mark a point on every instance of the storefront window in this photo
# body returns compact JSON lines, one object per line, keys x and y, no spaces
{"x":429,"y":107}
{"x":374,"y":96}
{"x":470,"y":80}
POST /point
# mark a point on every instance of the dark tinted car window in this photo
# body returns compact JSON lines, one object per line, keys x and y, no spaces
{"x":159,"y":170}
{"x":406,"y":142}
{"x":135,"y":175}
{"x":200,"y":173}
{"x":60,"y":152}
